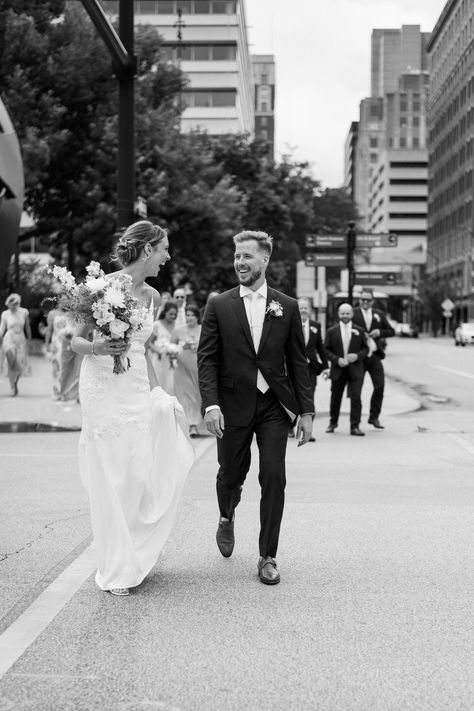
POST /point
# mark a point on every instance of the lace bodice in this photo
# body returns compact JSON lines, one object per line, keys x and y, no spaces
{"x":113,"y":402}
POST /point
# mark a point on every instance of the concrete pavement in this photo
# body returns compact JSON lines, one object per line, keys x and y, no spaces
{"x":374,"y":611}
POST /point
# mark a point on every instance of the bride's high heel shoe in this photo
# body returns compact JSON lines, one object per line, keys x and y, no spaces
{"x":119,"y":591}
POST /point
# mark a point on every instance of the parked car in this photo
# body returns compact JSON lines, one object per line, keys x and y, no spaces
{"x":406,"y":330}
{"x":463,"y":334}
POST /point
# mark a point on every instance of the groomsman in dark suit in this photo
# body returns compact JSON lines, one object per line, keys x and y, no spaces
{"x":375,"y":324}
{"x":346,"y":348}
{"x":315,"y":353}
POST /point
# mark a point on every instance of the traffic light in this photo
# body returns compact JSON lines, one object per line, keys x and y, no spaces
{"x":393,"y":239}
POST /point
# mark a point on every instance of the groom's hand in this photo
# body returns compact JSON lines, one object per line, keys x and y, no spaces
{"x":214,"y":420}
{"x":304,"y":429}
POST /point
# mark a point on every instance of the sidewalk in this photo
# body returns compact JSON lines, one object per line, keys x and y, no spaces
{"x":35,"y":406}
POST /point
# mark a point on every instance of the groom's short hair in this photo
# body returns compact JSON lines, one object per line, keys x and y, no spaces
{"x":264,"y":241}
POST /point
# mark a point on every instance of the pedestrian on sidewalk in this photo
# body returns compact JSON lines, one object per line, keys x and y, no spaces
{"x":15,"y":335}
{"x":65,"y":364}
{"x":346,"y":348}
{"x":376,"y":326}
{"x":253,"y":376}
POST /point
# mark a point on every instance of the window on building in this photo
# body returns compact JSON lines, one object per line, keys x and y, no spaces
{"x":416,"y":142}
{"x":264,"y":106}
{"x":220,"y":8}
{"x":264,"y":79}
{"x":416,"y":106}
{"x":223,"y":98}
{"x":201,"y":52}
{"x":202,"y":7}
{"x":163,"y":8}
{"x":264,"y":121}
{"x":403,"y":122}
{"x":201,"y":98}
{"x":373,"y":142}
{"x":416,"y":121}
{"x":403,"y":142}
{"x":263,"y":134}
{"x":403,"y":105}
{"x":224,"y":52}
{"x":184,"y":6}
{"x":185,"y":52}
{"x":373,"y":157}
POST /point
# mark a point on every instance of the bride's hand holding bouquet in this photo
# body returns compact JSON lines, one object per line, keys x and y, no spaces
{"x":108,"y":305}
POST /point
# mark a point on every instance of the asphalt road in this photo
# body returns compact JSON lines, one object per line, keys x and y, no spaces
{"x":374,"y":611}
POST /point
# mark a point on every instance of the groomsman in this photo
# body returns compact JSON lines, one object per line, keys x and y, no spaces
{"x":346,"y":348}
{"x":314,"y":348}
{"x":375,"y":324}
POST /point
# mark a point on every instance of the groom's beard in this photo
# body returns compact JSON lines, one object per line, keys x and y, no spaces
{"x":249,"y":278}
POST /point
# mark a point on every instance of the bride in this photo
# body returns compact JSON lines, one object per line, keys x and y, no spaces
{"x":134,"y":451}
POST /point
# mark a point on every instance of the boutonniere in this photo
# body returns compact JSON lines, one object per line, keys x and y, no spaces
{"x":376,"y":317}
{"x":353,"y":330}
{"x":274,"y":310}
{"x":313,"y":329}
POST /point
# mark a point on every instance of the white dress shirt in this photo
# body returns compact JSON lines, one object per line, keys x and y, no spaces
{"x":346,"y":335}
{"x":255,"y":303}
{"x":367,"y":314}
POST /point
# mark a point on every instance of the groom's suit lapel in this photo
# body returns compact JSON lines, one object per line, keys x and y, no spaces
{"x":267,"y":321}
{"x":239,"y":308}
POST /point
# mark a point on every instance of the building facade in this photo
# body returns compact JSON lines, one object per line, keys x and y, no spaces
{"x":390,"y":173}
{"x":214,"y":55}
{"x":350,"y":149}
{"x":451,"y":155}
{"x":264,"y":97}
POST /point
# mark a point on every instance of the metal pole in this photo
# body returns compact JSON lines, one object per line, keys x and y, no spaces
{"x":126,"y":134}
{"x":350,"y":261}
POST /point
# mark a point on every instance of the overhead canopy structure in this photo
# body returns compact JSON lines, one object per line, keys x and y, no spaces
{"x":12,"y":189}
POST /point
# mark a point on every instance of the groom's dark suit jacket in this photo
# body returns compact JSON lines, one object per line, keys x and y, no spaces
{"x":228,"y":363}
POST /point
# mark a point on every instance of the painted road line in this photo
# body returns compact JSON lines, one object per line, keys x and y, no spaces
{"x":462,"y":373}
{"x":26,"y":629}
{"x":468,"y":446}
{"x":23,"y":455}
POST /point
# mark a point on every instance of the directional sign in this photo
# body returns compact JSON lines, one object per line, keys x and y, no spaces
{"x":330,"y":242}
{"x":325,"y":259}
{"x":373,"y":240}
{"x":376,"y":278}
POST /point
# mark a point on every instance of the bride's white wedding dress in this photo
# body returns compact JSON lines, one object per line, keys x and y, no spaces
{"x":134,"y":455}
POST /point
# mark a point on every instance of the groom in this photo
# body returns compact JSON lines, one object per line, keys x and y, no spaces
{"x":253,"y":377}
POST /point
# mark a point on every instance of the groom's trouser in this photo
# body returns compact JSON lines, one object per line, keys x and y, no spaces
{"x":270,"y":425}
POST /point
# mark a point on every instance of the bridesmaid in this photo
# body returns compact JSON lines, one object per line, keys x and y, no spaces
{"x":15,"y":333}
{"x":186,"y":376}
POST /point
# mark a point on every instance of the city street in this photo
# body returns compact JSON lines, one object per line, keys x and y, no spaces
{"x":374,"y":610}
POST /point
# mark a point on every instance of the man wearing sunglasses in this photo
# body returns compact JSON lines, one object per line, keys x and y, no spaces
{"x":375,"y":324}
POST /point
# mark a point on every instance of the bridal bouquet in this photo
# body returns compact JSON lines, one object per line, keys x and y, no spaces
{"x":164,"y":347}
{"x":108,"y":304}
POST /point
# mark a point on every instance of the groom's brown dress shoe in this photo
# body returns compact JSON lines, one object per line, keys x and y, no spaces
{"x":267,"y":571}
{"x":376,"y":423}
{"x":225,"y":537}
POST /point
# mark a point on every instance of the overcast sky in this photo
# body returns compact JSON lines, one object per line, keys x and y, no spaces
{"x":322,"y":52}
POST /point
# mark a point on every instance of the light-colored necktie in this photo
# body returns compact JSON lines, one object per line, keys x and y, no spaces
{"x":346,"y":338}
{"x":306,"y":332}
{"x":256,"y":326}
{"x":367,"y":319}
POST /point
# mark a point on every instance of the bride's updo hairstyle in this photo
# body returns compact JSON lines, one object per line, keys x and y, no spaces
{"x":133,"y":240}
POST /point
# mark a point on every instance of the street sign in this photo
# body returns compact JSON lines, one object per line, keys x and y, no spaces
{"x":376,"y":278}
{"x":364,"y":240}
{"x":447,"y":314}
{"x":447,"y":305}
{"x":330,"y":242}
{"x":325,"y":259}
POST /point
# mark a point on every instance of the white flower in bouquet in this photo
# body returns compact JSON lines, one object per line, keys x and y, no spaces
{"x":136,"y":319}
{"x":118,"y":327}
{"x":94,"y":270}
{"x":64,"y":277}
{"x":172,"y":351}
{"x":115,"y":297}
{"x":96,"y":284}
{"x":102,"y":314}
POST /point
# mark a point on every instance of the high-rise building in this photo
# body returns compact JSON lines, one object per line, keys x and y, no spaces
{"x":213,"y":53}
{"x":389,"y":172}
{"x":451,"y":155}
{"x":264,"y":97}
